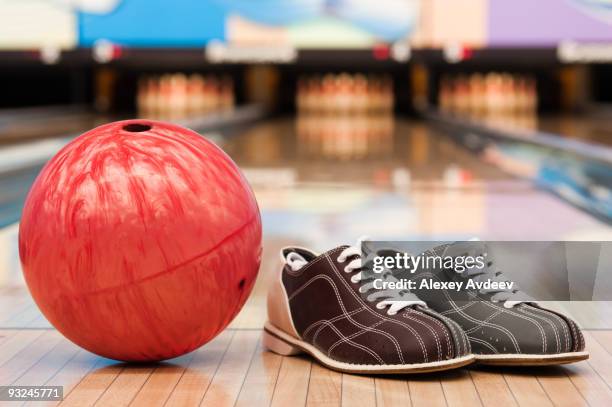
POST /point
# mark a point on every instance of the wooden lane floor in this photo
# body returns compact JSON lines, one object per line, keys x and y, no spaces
{"x":234,"y":369}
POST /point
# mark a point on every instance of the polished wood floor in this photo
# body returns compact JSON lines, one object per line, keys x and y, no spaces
{"x":234,"y":369}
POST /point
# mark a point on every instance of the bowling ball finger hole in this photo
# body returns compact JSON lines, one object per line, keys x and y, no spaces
{"x":136,"y":127}
{"x":241,"y":284}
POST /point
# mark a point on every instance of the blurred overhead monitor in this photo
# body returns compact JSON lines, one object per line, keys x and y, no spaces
{"x":297,"y":23}
{"x":303,"y":24}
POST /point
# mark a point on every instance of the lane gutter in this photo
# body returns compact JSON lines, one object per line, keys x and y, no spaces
{"x":475,"y":136}
{"x":597,"y":152}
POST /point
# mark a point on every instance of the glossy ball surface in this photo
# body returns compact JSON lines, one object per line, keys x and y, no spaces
{"x":140,"y":240}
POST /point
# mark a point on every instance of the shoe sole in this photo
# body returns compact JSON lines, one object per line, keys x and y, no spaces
{"x":279,"y":342}
{"x":531,"y":360}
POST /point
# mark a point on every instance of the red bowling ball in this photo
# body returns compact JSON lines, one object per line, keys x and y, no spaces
{"x":140,"y":240}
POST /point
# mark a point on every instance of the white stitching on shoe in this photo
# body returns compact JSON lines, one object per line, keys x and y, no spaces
{"x":352,"y":336}
{"x":483,"y":322}
{"x":458,"y":331}
{"x":474,"y":320}
{"x":357,"y":345}
{"x":461,"y":308}
{"x":575,"y":331}
{"x":505,"y":310}
{"x":360,"y":300}
{"x":484,"y":343}
{"x":331,"y":320}
{"x":509,"y":311}
{"x":545,"y":318}
{"x":436,"y":339}
{"x":433,"y":331}
{"x":564,"y":326}
{"x":467,"y":347}
{"x":342,"y":306}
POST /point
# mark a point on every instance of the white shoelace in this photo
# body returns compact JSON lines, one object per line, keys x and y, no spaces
{"x":509,"y":297}
{"x":396,"y":300}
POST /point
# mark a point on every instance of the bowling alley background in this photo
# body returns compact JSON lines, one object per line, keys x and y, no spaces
{"x":399,"y":119}
{"x":334,"y":84}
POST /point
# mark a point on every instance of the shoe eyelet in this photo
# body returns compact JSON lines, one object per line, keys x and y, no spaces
{"x":391,"y":313}
{"x":353,"y":280}
{"x":380,"y":306}
{"x":338,"y":260}
{"x":348,"y":270}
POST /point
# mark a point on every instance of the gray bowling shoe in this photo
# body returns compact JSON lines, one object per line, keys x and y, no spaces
{"x":504,"y":326}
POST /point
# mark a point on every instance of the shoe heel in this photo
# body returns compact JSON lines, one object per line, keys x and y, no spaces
{"x":278,"y":345}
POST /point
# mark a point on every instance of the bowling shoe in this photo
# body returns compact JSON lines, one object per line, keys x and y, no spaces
{"x":504,"y":327}
{"x":322,"y":305}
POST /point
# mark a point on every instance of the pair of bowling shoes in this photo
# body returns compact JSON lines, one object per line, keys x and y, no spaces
{"x":327,"y":305}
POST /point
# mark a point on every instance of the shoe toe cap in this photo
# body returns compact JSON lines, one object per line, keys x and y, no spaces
{"x":439,"y":337}
{"x":551,"y":332}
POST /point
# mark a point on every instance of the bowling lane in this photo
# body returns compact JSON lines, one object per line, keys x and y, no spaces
{"x":591,"y":130}
{"x":588,"y":128}
{"x":325,"y":180}
{"x":25,"y":124}
{"x":510,"y":102}
{"x":171,"y":97}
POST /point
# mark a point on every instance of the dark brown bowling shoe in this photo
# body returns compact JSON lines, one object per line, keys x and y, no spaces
{"x":320,"y":305}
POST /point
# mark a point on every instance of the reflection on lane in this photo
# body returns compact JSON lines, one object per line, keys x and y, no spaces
{"x":14,"y":187}
{"x":316,"y":184}
{"x":345,"y":137}
{"x":20,"y":125}
{"x":589,"y":128}
{"x":585,"y":184}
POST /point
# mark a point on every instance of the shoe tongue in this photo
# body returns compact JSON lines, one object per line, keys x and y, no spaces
{"x":366,"y":248}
